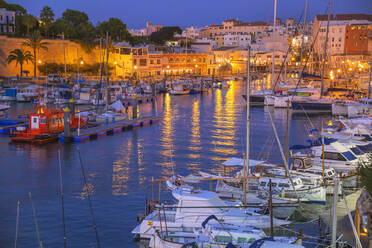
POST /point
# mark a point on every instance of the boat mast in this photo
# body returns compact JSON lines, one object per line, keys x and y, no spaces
{"x":273,"y":56}
{"x":322,"y":153}
{"x":248,"y":122}
{"x":78,"y":62}
{"x":325,"y":50}
{"x":369,"y":80}
{"x":64,"y":55}
{"x":107,"y":74}
{"x":303,"y":31}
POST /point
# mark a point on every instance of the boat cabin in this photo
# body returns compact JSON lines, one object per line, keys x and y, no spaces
{"x":280,"y":184}
{"x":46,"y":121}
{"x":334,"y":151}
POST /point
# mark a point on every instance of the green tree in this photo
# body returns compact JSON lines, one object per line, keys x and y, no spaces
{"x":20,"y":57}
{"x":35,"y":42}
{"x":164,"y":34}
{"x":47,"y":18}
{"x":62,"y":26}
{"x":365,"y":173}
{"x":116,"y":29}
{"x":29,"y":21}
{"x":75,"y":17}
{"x":13,"y":7}
{"x":76,"y":26}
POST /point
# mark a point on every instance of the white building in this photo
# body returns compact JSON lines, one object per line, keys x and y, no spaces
{"x":237,"y":39}
{"x":7,"y":21}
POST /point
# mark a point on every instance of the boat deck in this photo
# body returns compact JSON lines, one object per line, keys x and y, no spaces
{"x":107,"y":129}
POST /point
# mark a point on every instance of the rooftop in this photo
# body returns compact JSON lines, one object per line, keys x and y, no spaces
{"x":344,"y":17}
{"x":224,"y":48}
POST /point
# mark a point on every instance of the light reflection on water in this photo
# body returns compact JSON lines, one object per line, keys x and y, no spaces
{"x":194,"y":132}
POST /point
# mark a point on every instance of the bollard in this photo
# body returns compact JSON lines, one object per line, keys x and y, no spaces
{"x":108,"y":95}
{"x":72,"y":106}
{"x":66,"y":120}
{"x":113,"y":119}
{"x":135,"y":103}
{"x":201,"y":86}
{"x":107,"y":120}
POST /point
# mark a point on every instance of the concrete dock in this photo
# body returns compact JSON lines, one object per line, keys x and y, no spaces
{"x":107,"y":129}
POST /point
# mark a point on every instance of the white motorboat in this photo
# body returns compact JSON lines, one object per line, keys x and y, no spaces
{"x":336,"y":156}
{"x":179,"y":89}
{"x":219,"y":236}
{"x":27,"y":94}
{"x":194,"y":206}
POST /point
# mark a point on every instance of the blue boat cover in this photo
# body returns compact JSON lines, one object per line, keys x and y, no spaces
{"x":229,"y":245}
{"x":208,"y":219}
{"x":299,"y":147}
{"x":259,"y":242}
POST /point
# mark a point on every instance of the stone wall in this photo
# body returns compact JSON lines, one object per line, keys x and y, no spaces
{"x":53,"y":55}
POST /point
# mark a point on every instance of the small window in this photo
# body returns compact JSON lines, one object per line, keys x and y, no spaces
{"x":143,"y":62}
{"x":283,"y":185}
{"x":222,"y":239}
{"x":42,"y":121}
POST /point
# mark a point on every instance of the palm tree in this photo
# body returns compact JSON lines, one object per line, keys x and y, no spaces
{"x":35,"y":42}
{"x":19,"y":56}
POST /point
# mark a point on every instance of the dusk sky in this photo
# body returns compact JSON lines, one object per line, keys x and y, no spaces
{"x":193,"y":12}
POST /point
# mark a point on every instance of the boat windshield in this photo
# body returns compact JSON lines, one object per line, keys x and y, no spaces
{"x":357,"y":151}
{"x":366,"y":148}
{"x":367,"y":137}
{"x":349,"y":156}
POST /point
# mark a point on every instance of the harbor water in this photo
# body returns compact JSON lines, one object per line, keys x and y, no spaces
{"x":195,"y":132}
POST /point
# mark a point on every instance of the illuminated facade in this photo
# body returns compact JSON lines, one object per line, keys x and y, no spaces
{"x":142,"y":62}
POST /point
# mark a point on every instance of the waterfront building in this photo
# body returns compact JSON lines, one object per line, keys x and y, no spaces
{"x":150,"y":62}
{"x":7,"y":21}
{"x":237,"y":39}
{"x":265,"y":59}
{"x":344,"y":37}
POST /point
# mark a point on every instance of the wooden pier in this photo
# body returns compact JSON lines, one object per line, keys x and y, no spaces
{"x":107,"y":129}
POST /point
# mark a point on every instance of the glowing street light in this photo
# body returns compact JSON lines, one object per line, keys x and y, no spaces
{"x":82,"y":62}
{"x":39,"y":61}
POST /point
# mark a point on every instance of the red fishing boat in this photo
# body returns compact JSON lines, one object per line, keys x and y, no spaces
{"x":44,"y":126}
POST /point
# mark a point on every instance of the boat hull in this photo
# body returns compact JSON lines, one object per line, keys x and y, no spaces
{"x":311,"y":106}
{"x":37,"y":139}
